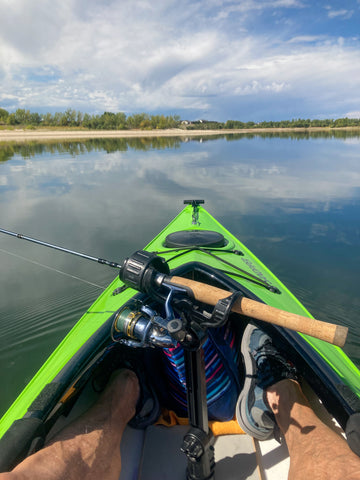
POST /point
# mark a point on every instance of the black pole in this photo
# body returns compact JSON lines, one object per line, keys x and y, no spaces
{"x":66,"y":250}
{"x":198,"y":443}
{"x":196,"y":388}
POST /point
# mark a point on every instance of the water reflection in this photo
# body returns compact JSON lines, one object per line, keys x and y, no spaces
{"x":34,"y":147}
{"x":249,"y":170}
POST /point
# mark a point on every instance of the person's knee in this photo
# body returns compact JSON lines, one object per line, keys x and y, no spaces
{"x":9,"y":476}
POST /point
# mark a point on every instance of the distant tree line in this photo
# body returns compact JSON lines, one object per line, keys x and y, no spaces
{"x":144,"y":121}
{"x":296,"y":123}
{"x":73,"y":118}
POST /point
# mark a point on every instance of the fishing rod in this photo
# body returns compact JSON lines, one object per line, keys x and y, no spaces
{"x":145,"y":270}
{"x":56,"y":247}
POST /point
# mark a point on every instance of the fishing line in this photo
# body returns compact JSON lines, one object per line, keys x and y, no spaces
{"x":34,"y":262}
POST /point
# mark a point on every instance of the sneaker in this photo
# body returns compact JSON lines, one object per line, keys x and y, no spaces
{"x":264,"y":366}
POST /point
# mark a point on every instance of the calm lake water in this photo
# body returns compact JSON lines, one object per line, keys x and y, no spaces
{"x":294,"y":200}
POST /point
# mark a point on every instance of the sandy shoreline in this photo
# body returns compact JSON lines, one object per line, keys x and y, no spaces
{"x":21,"y":135}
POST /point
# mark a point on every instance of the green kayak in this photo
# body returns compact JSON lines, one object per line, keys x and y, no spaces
{"x":195,"y":246}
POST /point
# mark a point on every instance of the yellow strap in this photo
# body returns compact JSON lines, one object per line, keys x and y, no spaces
{"x":168,"y":418}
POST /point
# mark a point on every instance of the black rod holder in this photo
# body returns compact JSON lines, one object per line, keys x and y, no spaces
{"x":198,"y":443}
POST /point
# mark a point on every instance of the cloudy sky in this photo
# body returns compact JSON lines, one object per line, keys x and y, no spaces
{"x":215,"y":59}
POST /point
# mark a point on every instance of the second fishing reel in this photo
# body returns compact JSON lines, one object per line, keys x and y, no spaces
{"x":137,"y":325}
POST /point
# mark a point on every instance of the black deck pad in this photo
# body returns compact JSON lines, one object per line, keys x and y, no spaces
{"x":195,"y":238}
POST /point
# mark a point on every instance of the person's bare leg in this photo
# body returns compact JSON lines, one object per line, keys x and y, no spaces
{"x":89,"y":448}
{"x":316,"y":451}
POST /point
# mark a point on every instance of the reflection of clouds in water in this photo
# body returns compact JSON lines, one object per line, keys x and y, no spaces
{"x":319,"y":230}
{"x":352,"y":141}
{"x":238,"y":173}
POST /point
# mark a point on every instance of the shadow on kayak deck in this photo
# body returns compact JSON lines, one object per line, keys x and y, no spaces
{"x":155,"y":453}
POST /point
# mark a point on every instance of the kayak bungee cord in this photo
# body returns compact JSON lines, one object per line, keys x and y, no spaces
{"x":210,"y":251}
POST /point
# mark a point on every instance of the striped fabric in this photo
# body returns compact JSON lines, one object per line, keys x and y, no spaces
{"x":221,"y":360}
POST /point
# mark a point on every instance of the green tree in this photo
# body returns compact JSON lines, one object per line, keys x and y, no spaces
{"x":35,"y":118}
{"x":57,"y":118}
{"x":47,"y":119}
{"x":86,"y":120}
{"x":79,"y":119}
{"x":108,"y":121}
{"x":22,"y":116}
{"x":120,"y":121}
{"x":3,"y":115}
{"x":162,"y":122}
{"x":134,"y":121}
{"x":11,"y":120}
{"x":68,"y":118}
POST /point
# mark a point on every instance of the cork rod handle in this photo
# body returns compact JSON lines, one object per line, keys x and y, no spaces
{"x":329,"y":332}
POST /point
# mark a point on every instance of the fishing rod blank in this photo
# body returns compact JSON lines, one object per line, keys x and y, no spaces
{"x":66,"y":250}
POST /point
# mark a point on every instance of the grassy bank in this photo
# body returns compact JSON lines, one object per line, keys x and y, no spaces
{"x":45,"y":133}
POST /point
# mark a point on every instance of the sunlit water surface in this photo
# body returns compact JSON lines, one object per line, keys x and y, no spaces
{"x":294,"y":200}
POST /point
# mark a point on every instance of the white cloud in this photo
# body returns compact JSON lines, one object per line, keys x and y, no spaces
{"x":228,"y":8}
{"x":307,"y":38}
{"x":354,"y":114}
{"x":342,"y":13}
{"x":144,"y":55}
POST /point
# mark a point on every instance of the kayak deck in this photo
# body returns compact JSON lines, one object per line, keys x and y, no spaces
{"x":233,"y":454}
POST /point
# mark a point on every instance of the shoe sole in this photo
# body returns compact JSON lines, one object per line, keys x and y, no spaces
{"x":249,"y":384}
